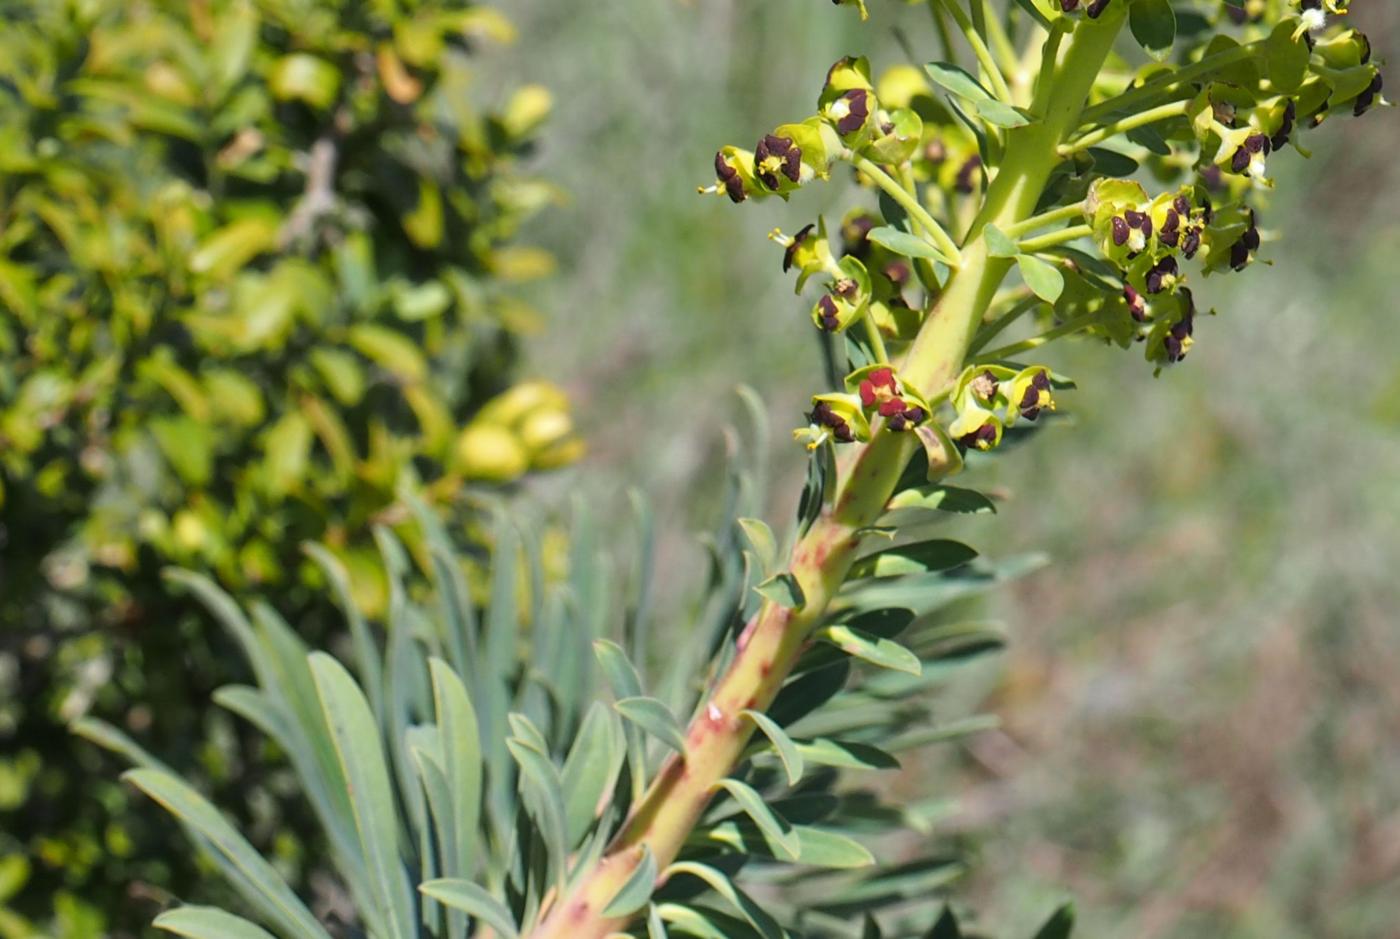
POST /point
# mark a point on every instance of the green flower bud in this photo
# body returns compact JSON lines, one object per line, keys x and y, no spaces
{"x":846,"y":298}
{"x":899,"y":134}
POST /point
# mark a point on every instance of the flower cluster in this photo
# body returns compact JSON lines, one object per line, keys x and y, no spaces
{"x":990,"y":398}
{"x":873,"y":394}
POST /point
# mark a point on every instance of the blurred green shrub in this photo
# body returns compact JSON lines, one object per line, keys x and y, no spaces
{"x":255,"y":274}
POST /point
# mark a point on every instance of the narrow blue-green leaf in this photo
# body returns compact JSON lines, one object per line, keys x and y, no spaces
{"x":228,"y":613}
{"x":544,"y":800}
{"x":462,"y":762}
{"x":784,"y":590}
{"x":946,"y":926}
{"x":268,"y":890}
{"x":766,"y":925}
{"x":475,"y":901}
{"x":498,"y":660}
{"x":458,"y":622}
{"x":1060,"y":924}
{"x":774,"y":827}
{"x":1043,"y":278}
{"x":109,"y":738}
{"x":357,"y":745}
{"x":655,"y":718}
{"x":704,"y":923}
{"x":590,"y":769}
{"x":624,"y":681}
{"x":765,"y":545}
{"x":622,"y":677}
{"x":787,"y":750}
{"x":636,"y":890}
{"x":207,"y":922}
{"x":656,"y":927}
{"x":885,"y":653}
{"x":846,"y":754}
{"x":367,"y":660}
{"x":816,"y":847}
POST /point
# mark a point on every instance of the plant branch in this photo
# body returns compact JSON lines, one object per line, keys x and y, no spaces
{"x":774,"y":639}
{"x":1045,"y":219}
{"x":1170,"y":84}
{"x":1066,"y":328}
{"x":877,"y":342}
{"x":1062,"y":236}
{"x":933,"y":232}
{"x":1121,"y":126}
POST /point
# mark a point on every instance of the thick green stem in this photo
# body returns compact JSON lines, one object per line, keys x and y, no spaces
{"x":772,"y":642}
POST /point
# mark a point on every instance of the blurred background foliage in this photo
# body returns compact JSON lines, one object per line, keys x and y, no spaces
{"x":1199,"y":706}
{"x":259,"y":270}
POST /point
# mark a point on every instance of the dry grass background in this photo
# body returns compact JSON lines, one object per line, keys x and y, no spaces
{"x":1201,"y":701}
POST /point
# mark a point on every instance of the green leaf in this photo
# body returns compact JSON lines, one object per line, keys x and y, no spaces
{"x":775,"y":828}
{"x":816,"y":847}
{"x":235,"y":855}
{"x":1286,"y":58}
{"x":1154,"y":26}
{"x":357,"y":745}
{"x":1044,"y":279}
{"x":787,"y":750}
{"x":1059,"y":925}
{"x":959,"y":81}
{"x":705,"y":923}
{"x":845,"y":754}
{"x":636,"y":890}
{"x":999,"y":244}
{"x":462,"y":763}
{"x":765,"y":545}
{"x":767,"y":927}
{"x":544,"y":799}
{"x":305,"y":78}
{"x":475,"y":901}
{"x":784,"y":590}
{"x":656,"y":928}
{"x":227,"y":250}
{"x":920,"y":557}
{"x":621,"y":675}
{"x":655,"y":718}
{"x":905,"y":244}
{"x":590,"y":769}
{"x":944,"y":499}
{"x":946,"y":926}
{"x":885,"y":653}
{"x":207,"y":922}
{"x":1001,"y":115}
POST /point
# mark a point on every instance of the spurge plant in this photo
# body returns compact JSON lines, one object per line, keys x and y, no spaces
{"x":1010,"y":202}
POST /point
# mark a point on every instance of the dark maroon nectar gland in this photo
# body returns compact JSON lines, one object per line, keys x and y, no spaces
{"x":777,"y":155}
{"x":729,"y":178}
